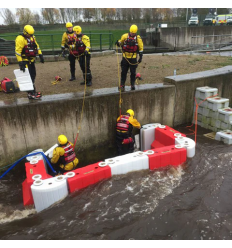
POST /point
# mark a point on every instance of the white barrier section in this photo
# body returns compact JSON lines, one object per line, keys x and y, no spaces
{"x":188,"y":144}
{"x":127,"y":163}
{"x":24,"y":80}
{"x":225,"y":115}
{"x":225,"y":136}
{"x":49,"y":191}
{"x":147,"y":133}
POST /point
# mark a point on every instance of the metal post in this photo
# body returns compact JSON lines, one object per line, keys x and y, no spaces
{"x":220,"y":45}
{"x":53,"y":52}
{"x":100,"y":42}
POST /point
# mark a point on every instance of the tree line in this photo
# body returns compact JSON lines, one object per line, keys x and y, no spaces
{"x":97,"y":15}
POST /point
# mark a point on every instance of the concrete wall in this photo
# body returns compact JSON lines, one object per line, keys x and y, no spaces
{"x":185,"y":90}
{"x":181,"y":37}
{"x":26,"y":126}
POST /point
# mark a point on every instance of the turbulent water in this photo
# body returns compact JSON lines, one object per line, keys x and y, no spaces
{"x":193,"y":201}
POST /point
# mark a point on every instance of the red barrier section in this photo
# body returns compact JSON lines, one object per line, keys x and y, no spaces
{"x":31,"y":170}
{"x":166,"y":135}
{"x":88,"y":175}
{"x":165,"y":156}
{"x":156,"y":144}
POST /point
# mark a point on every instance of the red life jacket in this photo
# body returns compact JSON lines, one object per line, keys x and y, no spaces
{"x":69,"y":154}
{"x":30,"y":50}
{"x":123,"y":123}
{"x":71,"y":39}
{"x":130,"y":44}
{"x":80,"y":46}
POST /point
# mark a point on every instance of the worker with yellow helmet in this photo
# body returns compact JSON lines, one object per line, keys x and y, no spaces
{"x":69,"y":41}
{"x":124,"y":137}
{"x":83,"y":49}
{"x":26,"y":49}
{"x":132,"y":45}
{"x":64,"y":155}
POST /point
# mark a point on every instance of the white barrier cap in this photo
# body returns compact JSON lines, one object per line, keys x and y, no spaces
{"x":38,"y":182}
{"x":70,"y":174}
{"x":34,"y":161}
{"x":36,"y":177}
{"x":102,"y":164}
{"x":59,"y":178}
{"x":149,"y":152}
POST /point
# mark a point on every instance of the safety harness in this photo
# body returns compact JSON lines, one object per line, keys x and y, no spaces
{"x":30,"y":50}
{"x":123,"y":123}
{"x":69,"y":154}
{"x":80,"y":46}
{"x":130,"y":44}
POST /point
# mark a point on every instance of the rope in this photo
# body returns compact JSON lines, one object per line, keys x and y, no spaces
{"x":119,"y":84}
{"x":194,"y":132}
{"x":83,"y":105}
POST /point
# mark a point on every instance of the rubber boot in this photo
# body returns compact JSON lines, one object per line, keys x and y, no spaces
{"x":89,"y":79}
{"x":83,"y":83}
{"x":72,"y":77}
{"x":122,"y":87}
{"x":132,"y":85}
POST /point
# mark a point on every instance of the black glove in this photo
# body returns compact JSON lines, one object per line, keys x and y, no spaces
{"x":63,"y":53}
{"x":86,"y":52}
{"x":140,"y":57}
{"x":22,"y":66}
{"x":117,"y":43}
{"x":41,"y":58}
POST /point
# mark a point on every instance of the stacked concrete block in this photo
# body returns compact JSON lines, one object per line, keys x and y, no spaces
{"x":214,"y":113}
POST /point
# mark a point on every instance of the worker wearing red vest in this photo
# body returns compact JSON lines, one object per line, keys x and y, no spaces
{"x":132,"y":45}
{"x":64,"y":156}
{"x":83,"y":50}
{"x":69,"y":42}
{"x":124,"y":137}
{"x":26,"y":49}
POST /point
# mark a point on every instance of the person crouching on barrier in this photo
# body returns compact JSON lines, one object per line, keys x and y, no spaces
{"x":124,"y":137}
{"x":64,"y":158}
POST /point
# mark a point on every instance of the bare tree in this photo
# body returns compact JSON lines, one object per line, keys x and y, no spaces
{"x":51,"y":15}
{"x":25,"y":16}
{"x":8,"y":16}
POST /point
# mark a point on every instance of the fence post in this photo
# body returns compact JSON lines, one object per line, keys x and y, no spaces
{"x":110,"y":45}
{"x":53,"y":52}
{"x":101,"y":42}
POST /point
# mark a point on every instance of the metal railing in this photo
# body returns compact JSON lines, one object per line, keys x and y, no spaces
{"x":211,"y":42}
{"x":52,"y":42}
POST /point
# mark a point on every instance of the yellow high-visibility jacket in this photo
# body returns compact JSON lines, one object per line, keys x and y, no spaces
{"x":57,"y":153}
{"x":140,"y":46}
{"x":20,"y":43}
{"x":133,"y":122}
{"x":66,"y":39}
{"x":85,"y":39}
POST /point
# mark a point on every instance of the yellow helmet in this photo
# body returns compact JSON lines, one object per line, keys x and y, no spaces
{"x":77,"y":29}
{"x":131,"y":112}
{"x":62,"y":139}
{"x":69,"y":25}
{"x":28,"y":29}
{"x":133,"y":29}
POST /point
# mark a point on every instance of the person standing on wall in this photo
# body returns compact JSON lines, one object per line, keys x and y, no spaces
{"x":83,"y":50}
{"x":124,"y":137}
{"x":69,"y":41}
{"x":132,"y":45}
{"x":26,"y":49}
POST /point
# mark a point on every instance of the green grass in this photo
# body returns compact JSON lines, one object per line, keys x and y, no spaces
{"x":52,"y":39}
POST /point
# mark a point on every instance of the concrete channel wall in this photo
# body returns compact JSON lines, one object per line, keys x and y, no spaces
{"x":28,"y":125}
{"x":181,"y":37}
{"x":185,"y":86}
